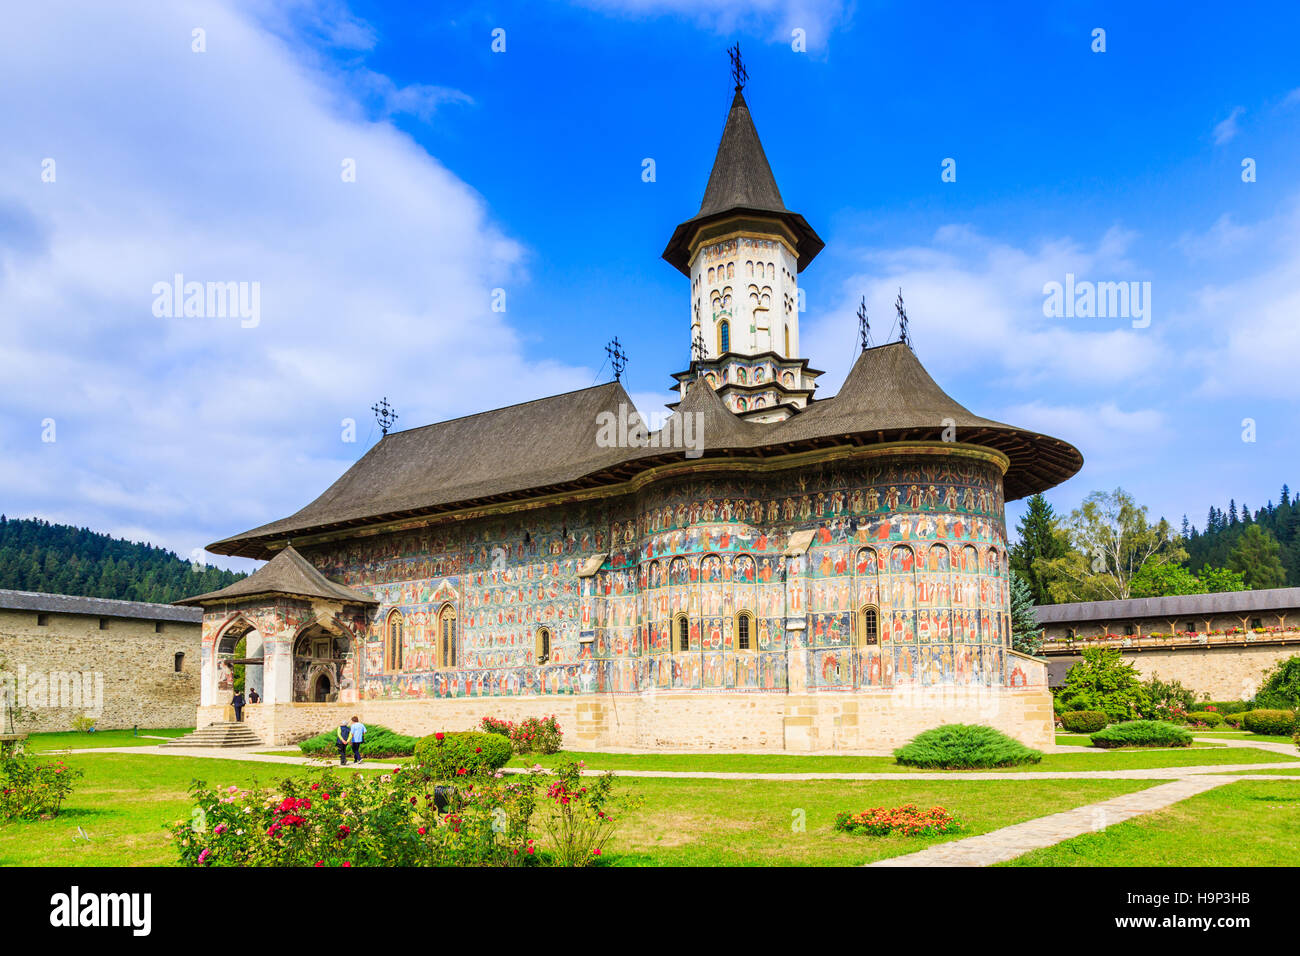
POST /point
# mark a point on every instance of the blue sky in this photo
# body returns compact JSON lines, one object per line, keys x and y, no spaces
{"x":521,"y":170}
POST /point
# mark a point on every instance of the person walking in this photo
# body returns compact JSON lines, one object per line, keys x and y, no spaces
{"x":341,"y":740}
{"x":237,"y":702}
{"x":358,"y":738}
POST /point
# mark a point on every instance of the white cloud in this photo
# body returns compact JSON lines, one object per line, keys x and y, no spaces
{"x":773,"y":19}
{"x":226,"y":170}
{"x":1226,"y":130}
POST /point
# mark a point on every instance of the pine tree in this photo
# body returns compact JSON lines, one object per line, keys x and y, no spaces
{"x":1257,"y":557}
{"x":1026,"y":635}
{"x":1038,"y":542}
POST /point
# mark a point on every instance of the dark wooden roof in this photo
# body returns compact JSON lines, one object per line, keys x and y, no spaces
{"x":550,"y":446}
{"x":287,"y":573}
{"x":741,"y":182}
{"x":1171,"y":606}
{"x":96,"y":607}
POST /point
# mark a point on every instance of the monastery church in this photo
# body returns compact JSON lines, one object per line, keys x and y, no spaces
{"x":823,"y":573}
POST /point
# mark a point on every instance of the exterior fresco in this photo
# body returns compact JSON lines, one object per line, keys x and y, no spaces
{"x":920,"y":537}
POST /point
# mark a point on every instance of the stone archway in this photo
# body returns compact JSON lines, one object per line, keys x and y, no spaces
{"x":321,"y":655}
{"x":217,"y":683}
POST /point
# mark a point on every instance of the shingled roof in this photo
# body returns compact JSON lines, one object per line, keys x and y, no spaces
{"x":551,"y":446}
{"x":287,"y":573}
{"x":1171,"y":606}
{"x":96,"y":607}
{"x":741,"y":182}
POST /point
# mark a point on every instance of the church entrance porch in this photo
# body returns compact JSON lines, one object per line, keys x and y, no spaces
{"x":320,"y":659}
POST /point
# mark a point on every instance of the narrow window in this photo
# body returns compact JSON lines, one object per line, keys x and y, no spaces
{"x":157,"y":627}
{"x":724,"y":337}
{"x":868,"y":624}
{"x":1189,"y":626}
{"x":543,"y":645}
{"x":1256,"y":623}
{"x":103,"y":624}
{"x":744,"y":631}
{"x":179,"y":662}
{"x":394,"y":648}
{"x":447,"y":637}
{"x":1128,"y":630}
{"x":42,"y":620}
{"x":683,"y":633}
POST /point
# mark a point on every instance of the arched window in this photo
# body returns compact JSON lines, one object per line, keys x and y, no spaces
{"x":393,"y":646}
{"x":446,"y":637}
{"x":682,"y":626}
{"x":868,"y":626}
{"x":787,"y":341}
{"x":179,"y":663}
{"x":543,"y":645}
{"x":724,"y":337}
{"x":744,"y":631}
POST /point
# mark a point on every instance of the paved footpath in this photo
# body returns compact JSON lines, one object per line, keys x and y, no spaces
{"x":1017,"y":840}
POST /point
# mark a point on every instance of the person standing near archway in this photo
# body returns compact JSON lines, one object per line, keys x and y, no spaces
{"x":237,"y":702}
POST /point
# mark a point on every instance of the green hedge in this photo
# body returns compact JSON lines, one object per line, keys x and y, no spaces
{"x":963,"y":747}
{"x":1225,"y":707}
{"x":449,"y":753}
{"x":1142,"y":733}
{"x":1274,"y":722}
{"x":379,"y":742}
{"x":1084,"y":721}
{"x":1207,"y":718}
{"x":1234,"y":720}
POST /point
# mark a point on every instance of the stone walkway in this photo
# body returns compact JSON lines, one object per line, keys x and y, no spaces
{"x":1018,"y":839}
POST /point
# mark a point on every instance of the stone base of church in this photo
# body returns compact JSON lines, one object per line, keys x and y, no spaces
{"x":825,"y":722}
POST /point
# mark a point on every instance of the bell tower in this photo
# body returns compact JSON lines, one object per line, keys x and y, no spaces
{"x":743,"y":252}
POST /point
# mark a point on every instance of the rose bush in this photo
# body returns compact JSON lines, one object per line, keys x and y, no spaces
{"x":30,"y":790}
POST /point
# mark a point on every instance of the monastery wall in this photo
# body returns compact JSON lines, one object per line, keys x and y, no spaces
{"x":123,"y":675}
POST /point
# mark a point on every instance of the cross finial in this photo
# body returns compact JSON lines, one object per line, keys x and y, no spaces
{"x":737,"y":67}
{"x":617,"y":357}
{"x":698,"y":347}
{"x":903,"y":335}
{"x":384,"y":414}
{"x":864,"y":324}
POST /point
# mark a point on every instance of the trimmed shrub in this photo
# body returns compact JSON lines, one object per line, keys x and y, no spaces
{"x":1084,"y":721}
{"x":1142,"y":733}
{"x":1225,"y":707}
{"x":379,"y":742}
{"x":1279,"y":723}
{"x":1204,"y":718}
{"x":964,"y":747}
{"x":464,"y":752}
{"x":1234,"y":720}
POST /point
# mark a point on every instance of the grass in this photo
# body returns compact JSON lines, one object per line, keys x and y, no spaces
{"x":72,"y":740}
{"x":1250,"y":823}
{"x":1243,"y":735}
{"x":793,"y":763}
{"x":1281,"y":771}
{"x":125,"y":800}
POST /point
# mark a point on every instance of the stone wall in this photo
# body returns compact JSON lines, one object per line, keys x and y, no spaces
{"x":860,"y":721}
{"x":1233,"y":672}
{"x":123,"y":675}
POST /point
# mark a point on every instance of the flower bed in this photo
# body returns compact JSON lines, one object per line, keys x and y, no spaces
{"x":907,"y":820}
{"x":411,"y":817}
{"x":31,"y":790}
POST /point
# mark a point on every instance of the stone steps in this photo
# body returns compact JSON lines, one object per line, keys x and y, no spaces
{"x":223,"y":734}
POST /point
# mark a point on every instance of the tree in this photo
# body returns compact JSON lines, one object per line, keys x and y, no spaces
{"x":1110,"y":540}
{"x":1220,"y":579}
{"x":1258,"y":558}
{"x":1026,"y":635}
{"x":1161,"y":578}
{"x":1103,"y":681}
{"x":1039,"y":543}
{"x":1281,"y":686}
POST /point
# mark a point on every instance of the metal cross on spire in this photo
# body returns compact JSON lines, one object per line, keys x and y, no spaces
{"x":384,"y":414}
{"x":737,"y":67}
{"x":698,"y":348}
{"x":903,"y":335}
{"x":864,"y":325}
{"x":617,"y":357}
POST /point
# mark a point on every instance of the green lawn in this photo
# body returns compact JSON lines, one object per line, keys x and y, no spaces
{"x":1124,"y":759}
{"x":72,"y":740}
{"x":1243,"y":735}
{"x":125,"y":799}
{"x":1250,"y":823}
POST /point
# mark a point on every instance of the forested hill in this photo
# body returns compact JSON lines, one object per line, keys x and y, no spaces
{"x":1223,"y":532}
{"x":36,"y":555}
